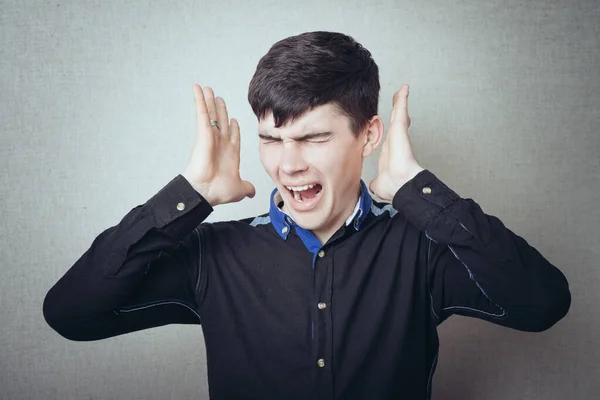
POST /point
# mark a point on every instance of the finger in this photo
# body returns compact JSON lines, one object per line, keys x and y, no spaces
{"x":234,"y":132}
{"x":403,"y":98}
{"x":395,"y":98}
{"x":209,"y":96}
{"x":249,"y":189}
{"x":384,"y":156}
{"x":400,"y":99}
{"x":403,"y":89}
{"x":222,"y":116}
{"x":400,"y":110}
{"x":202,"y":117}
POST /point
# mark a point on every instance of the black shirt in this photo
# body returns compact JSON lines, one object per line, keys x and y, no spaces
{"x":285,"y":317}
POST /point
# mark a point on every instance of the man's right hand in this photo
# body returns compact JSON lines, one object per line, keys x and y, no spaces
{"x":214,"y":167}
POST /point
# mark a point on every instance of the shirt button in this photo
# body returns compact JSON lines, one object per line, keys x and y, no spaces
{"x":289,"y":220}
{"x":284,"y":229}
{"x":322,"y":306}
{"x":321,"y":253}
{"x":180,"y":206}
{"x":427,"y":190}
{"x":321,"y":363}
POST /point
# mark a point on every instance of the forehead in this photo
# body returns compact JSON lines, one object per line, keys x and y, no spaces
{"x":322,"y":118}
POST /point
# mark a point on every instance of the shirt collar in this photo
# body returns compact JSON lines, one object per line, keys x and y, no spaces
{"x":282,"y":222}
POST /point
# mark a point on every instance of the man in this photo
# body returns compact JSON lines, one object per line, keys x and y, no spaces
{"x":331,"y":294}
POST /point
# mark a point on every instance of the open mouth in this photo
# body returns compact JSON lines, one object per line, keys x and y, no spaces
{"x":305,"y":196}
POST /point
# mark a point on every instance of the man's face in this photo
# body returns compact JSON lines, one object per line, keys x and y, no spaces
{"x":317,"y":149}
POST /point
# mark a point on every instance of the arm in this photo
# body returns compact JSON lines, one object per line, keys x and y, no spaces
{"x":144,"y":272}
{"x":148,"y":263}
{"x":478,"y":267}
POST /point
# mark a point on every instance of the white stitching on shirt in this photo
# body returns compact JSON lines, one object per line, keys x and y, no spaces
{"x":474,"y":309}
{"x":378,"y":211}
{"x":150,"y":263}
{"x":432,"y":308}
{"x":260,"y":221}
{"x":431,"y":375}
{"x":428,"y":287}
{"x":429,"y":237}
{"x":125,"y":310}
{"x":480,"y":288}
{"x":199,"y":261}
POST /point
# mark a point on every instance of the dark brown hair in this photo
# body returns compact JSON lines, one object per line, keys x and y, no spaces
{"x":301,"y":72}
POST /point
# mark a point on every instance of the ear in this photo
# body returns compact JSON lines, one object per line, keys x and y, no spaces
{"x":373,"y":135}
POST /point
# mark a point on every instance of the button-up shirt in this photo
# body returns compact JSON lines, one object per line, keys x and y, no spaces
{"x":286,"y":317}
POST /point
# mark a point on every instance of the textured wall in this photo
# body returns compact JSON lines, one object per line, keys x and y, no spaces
{"x":96,"y":114}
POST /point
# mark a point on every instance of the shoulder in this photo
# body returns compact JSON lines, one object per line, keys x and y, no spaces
{"x":244,"y":226}
{"x":384,"y":216}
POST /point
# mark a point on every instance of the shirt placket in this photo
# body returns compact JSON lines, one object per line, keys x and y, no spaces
{"x":322,"y":321}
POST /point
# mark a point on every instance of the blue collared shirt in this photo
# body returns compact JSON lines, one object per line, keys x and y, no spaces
{"x":283,"y":222}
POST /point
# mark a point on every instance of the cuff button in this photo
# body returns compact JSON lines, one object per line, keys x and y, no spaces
{"x":180,"y":206}
{"x":427,"y":190}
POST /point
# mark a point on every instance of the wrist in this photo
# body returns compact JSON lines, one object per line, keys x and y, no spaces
{"x":413,"y":171}
{"x":203,"y":189}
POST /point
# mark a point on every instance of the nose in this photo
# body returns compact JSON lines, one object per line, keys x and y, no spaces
{"x":292,"y":160}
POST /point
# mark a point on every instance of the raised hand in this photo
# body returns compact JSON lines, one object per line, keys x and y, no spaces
{"x":397,"y":163}
{"x":214,"y":166}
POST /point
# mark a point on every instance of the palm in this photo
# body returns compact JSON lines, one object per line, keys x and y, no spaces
{"x":214,"y":167}
{"x":397,"y":163}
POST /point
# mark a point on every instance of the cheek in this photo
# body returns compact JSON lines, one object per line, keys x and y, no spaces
{"x":269,"y":159}
{"x":338,"y":163}
{"x":322,"y":158}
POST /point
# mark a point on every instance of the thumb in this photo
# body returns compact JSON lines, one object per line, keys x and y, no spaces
{"x":372,"y":185}
{"x":249,"y":189}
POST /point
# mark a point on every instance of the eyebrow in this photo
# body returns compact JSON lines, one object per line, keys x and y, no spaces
{"x":306,"y":136}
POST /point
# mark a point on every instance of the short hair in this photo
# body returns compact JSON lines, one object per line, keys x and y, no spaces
{"x":301,"y":72}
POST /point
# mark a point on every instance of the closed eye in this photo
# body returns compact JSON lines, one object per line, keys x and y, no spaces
{"x":319,"y":137}
{"x":268,"y":139}
{"x":314,"y":140}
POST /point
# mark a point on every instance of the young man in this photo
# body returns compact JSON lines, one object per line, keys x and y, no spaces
{"x":331,"y":294}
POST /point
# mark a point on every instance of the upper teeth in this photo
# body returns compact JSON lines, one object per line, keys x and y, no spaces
{"x":300,"y":188}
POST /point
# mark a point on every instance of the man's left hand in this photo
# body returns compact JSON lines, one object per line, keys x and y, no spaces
{"x":397,"y":163}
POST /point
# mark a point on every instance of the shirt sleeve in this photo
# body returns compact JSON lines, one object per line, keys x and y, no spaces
{"x":141,"y":273}
{"x":476,"y":266}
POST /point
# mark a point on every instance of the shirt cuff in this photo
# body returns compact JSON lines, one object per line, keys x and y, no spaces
{"x":422,"y":198}
{"x":176,"y":199}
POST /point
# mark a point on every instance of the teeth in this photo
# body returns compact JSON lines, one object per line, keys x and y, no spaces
{"x":297,"y":197}
{"x":300,"y":188}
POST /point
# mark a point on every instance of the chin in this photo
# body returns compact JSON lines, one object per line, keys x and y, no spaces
{"x":309,"y":223}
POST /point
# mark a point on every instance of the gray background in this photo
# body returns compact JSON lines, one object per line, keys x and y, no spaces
{"x":96,"y":115}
